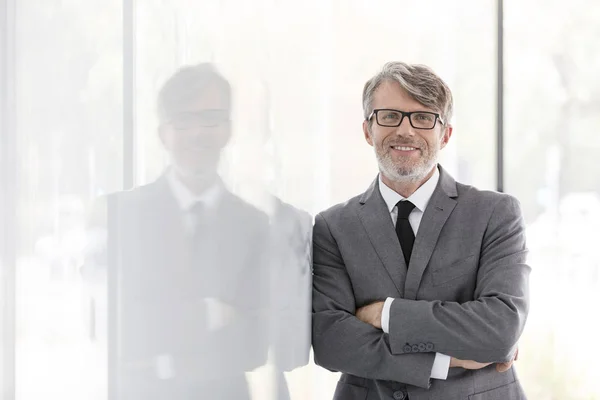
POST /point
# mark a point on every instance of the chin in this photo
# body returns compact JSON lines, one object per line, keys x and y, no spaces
{"x":404,"y":170}
{"x":409,"y":171}
{"x":404,"y":174}
{"x":196,"y":172}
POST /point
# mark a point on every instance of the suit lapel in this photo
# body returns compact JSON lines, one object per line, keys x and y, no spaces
{"x":166,"y":229}
{"x":378,"y":224}
{"x":438,"y":210}
{"x":202,"y":263}
{"x":227,"y":248}
{"x":375,"y":218}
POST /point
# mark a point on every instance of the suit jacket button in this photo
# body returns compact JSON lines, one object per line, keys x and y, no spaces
{"x":415,"y":348}
{"x":399,"y":395}
{"x":429,"y":347}
{"x":422,"y":347}
{"x":407,"y":349}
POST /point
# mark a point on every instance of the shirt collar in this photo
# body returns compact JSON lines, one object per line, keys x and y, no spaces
{"x":186,"y":198}
{"x":420,"y":198}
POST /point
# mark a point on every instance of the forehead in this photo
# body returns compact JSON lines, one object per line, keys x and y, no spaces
{"x":211,"y":97}
{"x":391,"y":95}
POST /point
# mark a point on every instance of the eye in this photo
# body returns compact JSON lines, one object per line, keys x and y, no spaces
{"x":424,"y":117}
{"x":390,"y":115}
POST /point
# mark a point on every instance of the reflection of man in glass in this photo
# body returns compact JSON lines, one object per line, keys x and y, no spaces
{"x":187,"y":274}
{"x":194,"y":111}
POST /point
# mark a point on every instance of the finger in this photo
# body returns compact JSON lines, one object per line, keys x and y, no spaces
{"x":484,"y":365}
{"x":360,"y":314}
{"x":475,"y":365}
{"x":503,"y":367}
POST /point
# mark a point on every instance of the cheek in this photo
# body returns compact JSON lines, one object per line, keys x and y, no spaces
{"x":381,"y":138}
{"x":167,"y":139}
{"x":223,"y":136}
{"x":173,"y":140}
{"x":439,"y":143}
{"x":432,"y":143}
{"x":176,"y":143}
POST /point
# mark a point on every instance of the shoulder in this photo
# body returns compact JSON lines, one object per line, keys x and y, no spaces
{"x":339,"y":217}
{"x":138,"y":193}
{"x":289,"y":221}
{"x":129,"y":204}
{"x":342,"y":210}
{"x":246,"y":213}
{"x":494,"y":204}
{"x":111,"y":203}
{"x":288,"y":214}
{"x":471,"y":194}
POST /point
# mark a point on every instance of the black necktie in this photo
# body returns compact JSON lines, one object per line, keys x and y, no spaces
{"x":406,"y":236}
{"x":197,"y":213}
{"x":198,"y":236}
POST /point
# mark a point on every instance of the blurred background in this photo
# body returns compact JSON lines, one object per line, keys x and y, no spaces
{"x":79,"y":81}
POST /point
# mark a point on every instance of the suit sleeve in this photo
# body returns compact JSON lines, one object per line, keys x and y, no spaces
{"x":291,"y":281}
{"x":242,"y":344}
{"x":93,"y":269}
{"x":341,"y":342}
{"x":486,"y":329}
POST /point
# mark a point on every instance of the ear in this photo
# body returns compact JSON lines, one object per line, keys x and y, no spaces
{"x":367,"y":133}
{"x":226,"y":137}
{"x":446,"y":134}
{"x":162,"y":134}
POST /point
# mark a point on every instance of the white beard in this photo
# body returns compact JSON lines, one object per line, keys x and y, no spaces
{"x":200,"y":175}
{"x":413,"y":174}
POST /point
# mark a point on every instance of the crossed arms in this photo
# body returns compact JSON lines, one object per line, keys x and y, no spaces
{"x":485,"y":330}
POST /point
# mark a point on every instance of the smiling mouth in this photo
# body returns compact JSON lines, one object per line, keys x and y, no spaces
{"x":404,"y":148}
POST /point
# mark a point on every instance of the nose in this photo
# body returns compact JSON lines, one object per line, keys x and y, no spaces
{"x":405,"y":128}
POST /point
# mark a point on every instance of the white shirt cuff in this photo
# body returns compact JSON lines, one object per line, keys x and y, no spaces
{"x":441,"y":365}
{"x":385,"y":314}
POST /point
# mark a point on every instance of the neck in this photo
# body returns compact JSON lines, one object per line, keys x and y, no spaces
{"x":406,"y":188}
{"x":197,"y":184}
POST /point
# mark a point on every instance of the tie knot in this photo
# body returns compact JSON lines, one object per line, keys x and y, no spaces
{"x":197,"y":209}
{"x":405,"y":207}
{"x":197,"y":213}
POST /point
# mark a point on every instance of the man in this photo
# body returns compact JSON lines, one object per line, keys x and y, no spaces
{"x":188,"y":263}
{"x":420,"y":287}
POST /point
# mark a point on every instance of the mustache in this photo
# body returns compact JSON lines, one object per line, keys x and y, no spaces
{"x":206,"y":141}
{"x":405,"y":143}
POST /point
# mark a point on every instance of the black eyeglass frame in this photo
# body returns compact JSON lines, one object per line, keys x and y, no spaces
{"x":405,"y":114}
{"x":179,"y":127}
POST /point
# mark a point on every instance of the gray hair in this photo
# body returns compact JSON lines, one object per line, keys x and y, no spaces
{"x":419,"y":81}
{"x":183,"y":88}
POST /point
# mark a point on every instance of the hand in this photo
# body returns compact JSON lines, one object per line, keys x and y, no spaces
{"x":371,"y":314}
{"x":220,"y":314}
{"x":505,"y":366}
{"x":164,"y":367}
{"x":467,"y":364}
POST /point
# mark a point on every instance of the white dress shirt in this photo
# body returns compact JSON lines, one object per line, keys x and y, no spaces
{"x":217,"y":312}
{"x":420,"y":198}
{"x":186,"y":199}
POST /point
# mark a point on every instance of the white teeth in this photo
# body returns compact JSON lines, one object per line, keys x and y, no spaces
{"x":403,"y":148}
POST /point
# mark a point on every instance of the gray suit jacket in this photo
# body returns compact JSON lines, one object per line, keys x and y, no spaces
{"x":157,"y":280}
{"x":465,"y":295}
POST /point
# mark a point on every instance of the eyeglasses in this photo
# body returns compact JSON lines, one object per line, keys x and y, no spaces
{"x":394,"y":118}
{"x":205,"y":119}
